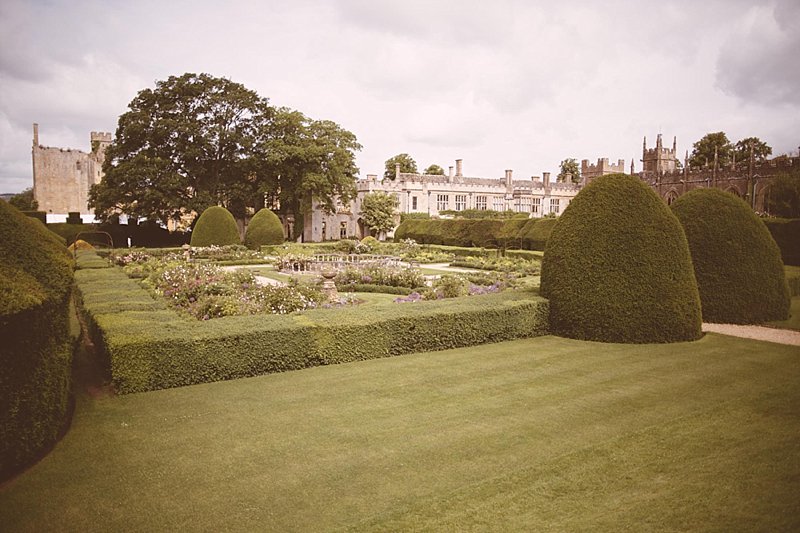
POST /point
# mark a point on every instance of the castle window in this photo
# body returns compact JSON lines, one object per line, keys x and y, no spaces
{"x":480,"y":202}
{"x":343,"y":230}
{"x":77,"y":165}
{"x":555,"y":205}
{"x":461,"y":202}
{"x":525,"y":205}
{"x":414,"y":203}
{"x":441,"y":202}
{"x":497,"y":203}
{"x":536,"y":206}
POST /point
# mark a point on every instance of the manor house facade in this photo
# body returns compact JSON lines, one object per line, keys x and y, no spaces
{"x":432,"y":194}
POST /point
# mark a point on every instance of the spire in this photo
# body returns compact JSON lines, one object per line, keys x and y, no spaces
{"x":644,"y":143}
{"x":658,"y":143}
{"x":675,"y":144}
{"x":632,"y":166}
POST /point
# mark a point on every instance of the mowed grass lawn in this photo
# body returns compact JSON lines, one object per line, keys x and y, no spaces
{"x":531,"y":435}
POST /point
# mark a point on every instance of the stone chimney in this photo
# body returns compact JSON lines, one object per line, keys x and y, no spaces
{"x":450,"y":173}
{"x":458,"y":168}
{"x":546,"y":179}
{"x":509,"y":182}
{"x":397,"y":171}
{"x":35,"y":134}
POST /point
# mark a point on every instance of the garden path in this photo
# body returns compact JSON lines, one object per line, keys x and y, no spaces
{"x":761,"y":333}
{"x":445,"y":267}
{"x":261,"y":280}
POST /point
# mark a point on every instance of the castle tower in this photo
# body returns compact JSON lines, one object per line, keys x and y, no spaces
{"x":659,"y":160}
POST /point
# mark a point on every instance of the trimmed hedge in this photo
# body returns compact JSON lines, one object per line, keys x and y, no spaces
{"x":737,"y":264}
{"x":216,"y":226}
{"x":786,"y":232}
{"x":36,"y":349}
{"x":530,"y":234}
{"x":617,"y":267}
{"x":265,"y":228}
{"x":149,"y":347}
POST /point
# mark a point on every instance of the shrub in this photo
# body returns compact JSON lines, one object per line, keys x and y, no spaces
{"x":786,"y":233}
{"x":617,"y":267}
{"x":215,"y":226}
{"x":736,"y":261}
{"x":149,"y":347}
{"x":264,"y":228}
{"x":535,"y":234}
{"x":35,"y":352}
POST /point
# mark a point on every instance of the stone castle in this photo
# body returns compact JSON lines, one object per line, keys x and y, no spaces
{"x":62,"y":176}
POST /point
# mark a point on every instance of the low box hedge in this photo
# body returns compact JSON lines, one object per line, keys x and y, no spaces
{"x":150,"y":347}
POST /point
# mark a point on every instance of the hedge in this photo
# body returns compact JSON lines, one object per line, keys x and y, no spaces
{"x":265,"y":228}
{"x":149,"y":347}
{"x":736,"y":261}
{"x":216,"y":226}
{"x":617,"y":267}
{"x":530,"y":234}
{"x":36,"y":348}
{"x":786,"y":232}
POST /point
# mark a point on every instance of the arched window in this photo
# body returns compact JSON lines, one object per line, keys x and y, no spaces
{"x":671,"y":196}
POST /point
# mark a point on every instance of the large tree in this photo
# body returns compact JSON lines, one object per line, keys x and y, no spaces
{"x":196,"y":141}
{"x":703,"y":150}
{"x":377,"y":211}
{"x":569,"y":170}
{"x":407,"y":165}
{"x":759,"y":148}
{"x":183,"y":146}
{"x":303,"y":160}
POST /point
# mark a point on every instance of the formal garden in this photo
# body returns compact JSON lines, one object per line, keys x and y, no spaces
{"x":554,"y":374}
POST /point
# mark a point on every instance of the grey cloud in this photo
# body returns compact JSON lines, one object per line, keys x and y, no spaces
{"x":760,"y":64}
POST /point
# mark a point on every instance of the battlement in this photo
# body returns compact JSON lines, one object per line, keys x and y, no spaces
{"x":602,"y":168}
{"x":101,"y":136}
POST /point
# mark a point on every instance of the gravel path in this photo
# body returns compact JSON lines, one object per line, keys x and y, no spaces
{"x":261,"y":280}
{"x":780,"y":336}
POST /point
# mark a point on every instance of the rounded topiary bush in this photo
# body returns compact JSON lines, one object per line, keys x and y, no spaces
{"x":264,"y":228}
{"x":215,"y":226}
{"x":736,"y":261}
{"x":617,"y":268}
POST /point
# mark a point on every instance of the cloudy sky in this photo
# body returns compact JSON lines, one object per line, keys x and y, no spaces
{"x":504,"y":84}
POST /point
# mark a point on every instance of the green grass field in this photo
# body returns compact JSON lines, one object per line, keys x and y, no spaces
{"x":537,"y":434}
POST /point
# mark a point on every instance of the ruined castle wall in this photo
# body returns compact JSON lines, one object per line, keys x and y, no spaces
{"x":62,"y":177}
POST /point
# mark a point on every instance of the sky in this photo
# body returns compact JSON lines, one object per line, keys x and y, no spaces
{"x":507,"y":84}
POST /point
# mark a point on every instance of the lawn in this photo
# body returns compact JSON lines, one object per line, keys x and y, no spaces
{"x":529,"y":435}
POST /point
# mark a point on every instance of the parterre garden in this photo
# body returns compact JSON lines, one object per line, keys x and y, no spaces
{"x":549,"y":431}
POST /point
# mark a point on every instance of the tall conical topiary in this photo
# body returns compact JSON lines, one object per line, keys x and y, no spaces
{"x":736,"y":261}
{"x":617,"y":268}
{"x":264,"y":228}
{"x":216,"y":226}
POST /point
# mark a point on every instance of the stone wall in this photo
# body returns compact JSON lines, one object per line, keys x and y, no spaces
{"x":62,"y":176}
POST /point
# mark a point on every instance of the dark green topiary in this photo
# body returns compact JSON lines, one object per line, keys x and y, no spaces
{"x":35,"y":352}
{"x":736,"y":261}
{"x":264,"y":228}
{"x":617,"y":268}
{"x":216,"y":226}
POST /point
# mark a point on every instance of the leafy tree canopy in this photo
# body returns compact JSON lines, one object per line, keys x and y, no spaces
{"x":703,"y":150}
{"x":196,"y":140}
{"x":377,"y":211}
{"x":434,"y":170}
{"x":24,"y":201}
{"x":407,"y":165}
{"x":569,"y":170}
{"x":761,"y":150}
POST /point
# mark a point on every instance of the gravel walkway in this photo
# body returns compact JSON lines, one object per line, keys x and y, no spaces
{"x":780,"y":336}
{"x":261,"y":280}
